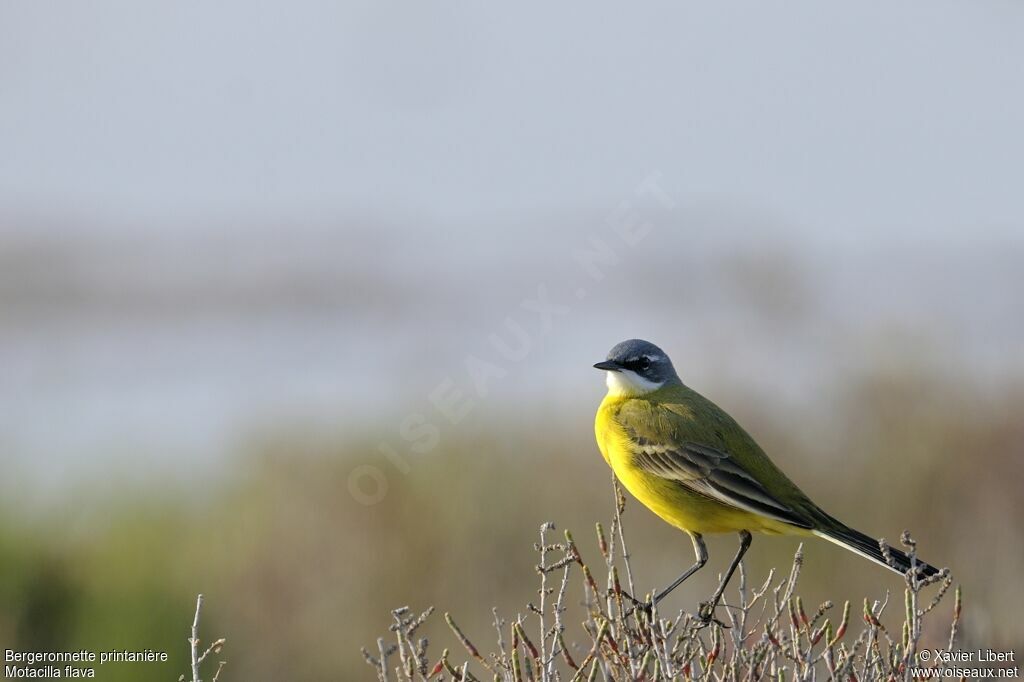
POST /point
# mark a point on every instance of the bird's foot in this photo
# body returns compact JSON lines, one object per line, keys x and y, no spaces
{"x":706,"y":616}
{"x":645,"y":606}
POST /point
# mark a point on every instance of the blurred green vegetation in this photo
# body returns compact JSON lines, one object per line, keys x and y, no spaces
{"x":298,"y":575}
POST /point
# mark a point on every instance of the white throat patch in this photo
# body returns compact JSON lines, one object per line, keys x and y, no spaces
{"x":627,"y":384}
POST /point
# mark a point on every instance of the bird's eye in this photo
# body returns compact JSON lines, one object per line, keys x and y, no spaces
{"x":644,"y":363}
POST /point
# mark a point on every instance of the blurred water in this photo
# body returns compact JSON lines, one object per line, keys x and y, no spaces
{"x":156,"y":354}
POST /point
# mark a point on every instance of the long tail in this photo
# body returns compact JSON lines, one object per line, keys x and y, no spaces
{"x":868,"y":547}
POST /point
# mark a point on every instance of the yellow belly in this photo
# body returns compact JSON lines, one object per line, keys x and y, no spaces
{"x":673,"y":502}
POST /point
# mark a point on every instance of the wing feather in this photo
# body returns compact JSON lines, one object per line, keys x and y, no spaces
{"x":713,"y":473}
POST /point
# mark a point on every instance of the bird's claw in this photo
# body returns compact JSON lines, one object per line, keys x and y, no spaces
{"x":706,"y":616}
{"x":645,"y":606}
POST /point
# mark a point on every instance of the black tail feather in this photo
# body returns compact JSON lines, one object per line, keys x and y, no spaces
{"x":870,"y":548}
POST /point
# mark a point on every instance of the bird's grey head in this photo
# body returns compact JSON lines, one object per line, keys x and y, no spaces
{"x":636,"y":367}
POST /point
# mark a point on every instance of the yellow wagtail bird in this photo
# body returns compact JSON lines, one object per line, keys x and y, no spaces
{"x":691,"y":464}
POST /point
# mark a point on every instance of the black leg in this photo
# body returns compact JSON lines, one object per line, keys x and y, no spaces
{"x":707,"y":609}
{"x":700,"y":551}
{"x":701,"y":554}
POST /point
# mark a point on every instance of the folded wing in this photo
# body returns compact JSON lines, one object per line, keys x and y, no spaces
{"x":713,"y":473}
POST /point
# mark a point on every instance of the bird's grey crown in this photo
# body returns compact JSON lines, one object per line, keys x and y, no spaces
{"x":629,"y":353}
{"x":633,"y":349}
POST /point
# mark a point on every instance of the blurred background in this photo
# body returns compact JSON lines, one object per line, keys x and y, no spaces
{"x":299,"y":302}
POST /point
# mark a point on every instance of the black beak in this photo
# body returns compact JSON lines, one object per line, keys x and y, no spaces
{"x":608,"y":365}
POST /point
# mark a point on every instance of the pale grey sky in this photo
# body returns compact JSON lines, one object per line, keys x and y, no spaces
{"x":867,"y":118}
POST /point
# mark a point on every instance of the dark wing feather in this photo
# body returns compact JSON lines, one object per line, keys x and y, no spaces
{"x":712,"y":473}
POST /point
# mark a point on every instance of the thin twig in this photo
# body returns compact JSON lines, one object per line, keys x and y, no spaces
{"x":194,"y":640}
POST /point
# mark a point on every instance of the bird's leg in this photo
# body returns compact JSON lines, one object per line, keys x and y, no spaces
{"x":700,"y":551}
{"x":706,"y":612}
